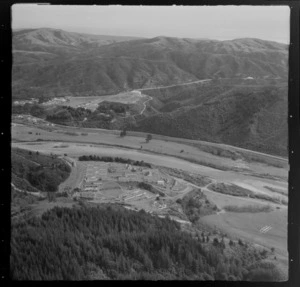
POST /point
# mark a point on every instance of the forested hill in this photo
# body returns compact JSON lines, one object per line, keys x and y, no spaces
{"x":49,"y":62}
{"x":114,"y":243}
{"x":250,"y":116}
{"x":32,"y":171}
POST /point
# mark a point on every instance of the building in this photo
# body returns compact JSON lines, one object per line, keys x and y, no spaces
{"x":92,"y":189}
{"x":91,"y":179}
{"x":161,"y":182}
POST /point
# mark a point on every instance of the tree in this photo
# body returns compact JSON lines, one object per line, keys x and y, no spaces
{"x":51,"y":196}
{"x":148,"y":138}
{"x":215,"y":242}
{"x":67,"y":189}
{"x":123,"y":133}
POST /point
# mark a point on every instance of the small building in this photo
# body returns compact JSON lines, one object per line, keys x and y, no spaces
{"x":91,"y":179}
{"x":97,"y":183}
{"x":88,"y":189}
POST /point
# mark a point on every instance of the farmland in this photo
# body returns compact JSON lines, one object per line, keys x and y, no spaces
{"x":160,"y":144}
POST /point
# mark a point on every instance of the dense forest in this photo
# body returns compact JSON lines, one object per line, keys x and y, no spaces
{"x":67,"y":115}
{"x":195,"y":204}
{"x":110,"y":242}
{"x":113,"y":159}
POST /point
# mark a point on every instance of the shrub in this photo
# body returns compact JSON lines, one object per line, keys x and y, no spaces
{"x":148,"y":137}
{"x":248,"y":208}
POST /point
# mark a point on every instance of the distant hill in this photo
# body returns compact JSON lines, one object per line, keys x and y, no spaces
{"x":50,"y":62}
{"x":45,"y":39}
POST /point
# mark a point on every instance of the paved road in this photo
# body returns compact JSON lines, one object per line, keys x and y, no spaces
{"x":177,"y":85}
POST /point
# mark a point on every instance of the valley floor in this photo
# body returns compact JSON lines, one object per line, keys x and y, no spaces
{"x":267,"y":229}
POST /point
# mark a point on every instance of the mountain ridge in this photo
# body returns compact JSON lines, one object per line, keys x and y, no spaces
{"x":89,"y":67}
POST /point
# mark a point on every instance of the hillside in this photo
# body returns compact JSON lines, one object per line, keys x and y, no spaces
{"x":109,"y":242}
{"x":245,"y":103}
{"x":253,"y":117}
{"x":36,"y":172}
{"x":49,"y":62}
{"x":209,"y":58}
{"x":45,"y":39}
{"x":249,"y":116}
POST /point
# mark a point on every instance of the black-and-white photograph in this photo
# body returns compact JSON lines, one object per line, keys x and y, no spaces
{"x":149,"y":142}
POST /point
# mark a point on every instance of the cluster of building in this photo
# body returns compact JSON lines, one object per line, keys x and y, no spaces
{"x":32,"y":120}
{"x":22,"y":103}
{"x":106,"y":182}
{"x":89,"y":105}
{"x":159,"y":205}
{"x":56,"y":101}
{"x":136,"y":194}
{"x":100,"y":171}
{"x":99,"y":175}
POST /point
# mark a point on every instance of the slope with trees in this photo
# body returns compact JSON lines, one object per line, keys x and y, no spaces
{"x":32,"y":171}
{"x":110,"y":242}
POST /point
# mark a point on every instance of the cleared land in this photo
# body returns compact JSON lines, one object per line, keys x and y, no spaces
{"x":244,"y":225}
{"x":92,"y":103}
{"x":161,"y":145}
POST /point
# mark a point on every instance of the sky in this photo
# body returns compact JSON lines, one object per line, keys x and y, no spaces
{"x":213,"y":22}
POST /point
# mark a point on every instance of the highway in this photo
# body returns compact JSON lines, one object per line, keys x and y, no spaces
{"x":176,"y":85}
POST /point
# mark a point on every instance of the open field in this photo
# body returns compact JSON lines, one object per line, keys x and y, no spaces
{"x":219,"y":149}
{"x":75,"y":177}
{"x":222,"y":200}
{"x":75,"y":150}
{"x":92,"y":103}
{"x":160,"y":146}
{"x":248,"y":226}
{"x":39,"y":207}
